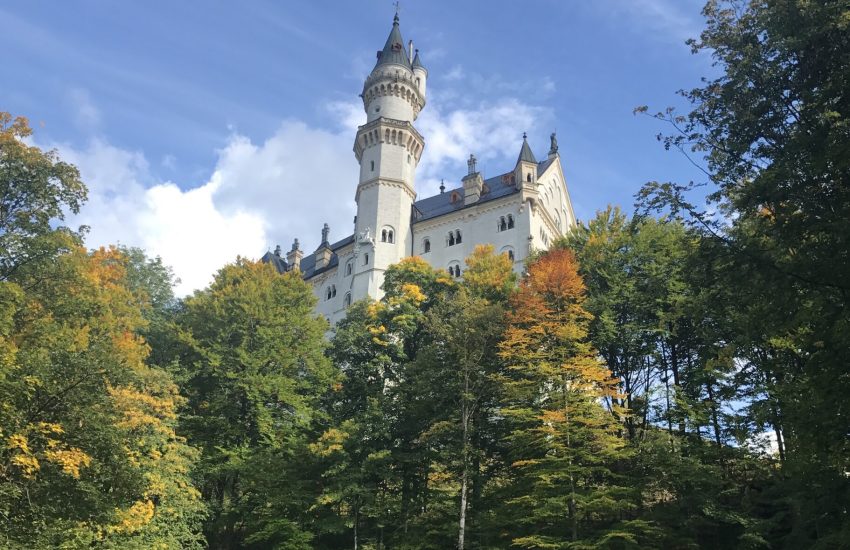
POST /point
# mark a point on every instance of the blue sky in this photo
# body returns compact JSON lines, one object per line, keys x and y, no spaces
{"x":211,"y":129}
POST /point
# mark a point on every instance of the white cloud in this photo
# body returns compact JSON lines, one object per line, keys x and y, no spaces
{"x":183,"y":227}
{"x":492,"y":131}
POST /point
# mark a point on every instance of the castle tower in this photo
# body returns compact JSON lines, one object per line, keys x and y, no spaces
{"x":388,"y":149}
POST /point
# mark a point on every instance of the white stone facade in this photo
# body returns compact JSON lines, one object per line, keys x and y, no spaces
{"x":518,"y":211}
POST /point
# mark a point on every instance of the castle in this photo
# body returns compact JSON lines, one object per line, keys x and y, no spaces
{"x":518,"y":211}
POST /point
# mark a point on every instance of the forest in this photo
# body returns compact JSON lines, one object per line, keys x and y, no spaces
{"x":674,"y":375}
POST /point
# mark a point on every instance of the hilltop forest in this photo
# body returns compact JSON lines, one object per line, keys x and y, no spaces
{"x":672,"y":377}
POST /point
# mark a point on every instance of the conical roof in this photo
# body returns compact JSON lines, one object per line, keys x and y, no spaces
{"x":416,"y":61}
{"x":393,"y":52}
{"x":525,"y":154}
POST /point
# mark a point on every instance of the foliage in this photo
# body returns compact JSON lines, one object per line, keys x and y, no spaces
{"x":251,"y":351}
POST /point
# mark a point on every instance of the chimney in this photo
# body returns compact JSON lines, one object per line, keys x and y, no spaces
{"x":323,"y":253}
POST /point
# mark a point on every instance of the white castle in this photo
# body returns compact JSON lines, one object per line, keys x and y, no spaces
{"x":517,"y":211}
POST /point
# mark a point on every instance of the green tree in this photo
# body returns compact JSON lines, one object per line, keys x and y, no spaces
{"x":251,"y":349}
{"x":36,"y":188}
{"x":565,"y":446}
{"x":772,"y":130}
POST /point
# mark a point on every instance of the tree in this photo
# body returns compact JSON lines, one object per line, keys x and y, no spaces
{"x":565,"y":443}
{"x":772,"y":131}
{"x":36,"y":188}
{"x":90,"y":454}
{"x":251,"y":350}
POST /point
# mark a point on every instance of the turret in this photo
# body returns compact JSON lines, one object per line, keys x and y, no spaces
{"x":526,"y":166}
{"x":420,"y":74}
{"x":391,"y":90}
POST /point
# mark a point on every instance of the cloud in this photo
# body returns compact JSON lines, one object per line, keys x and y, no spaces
{"x":183,"y":227}
{"x":264,"y":193}
{"x":492,"y":131}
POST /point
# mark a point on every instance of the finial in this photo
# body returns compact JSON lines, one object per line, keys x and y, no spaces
{"x":524,"y":136}
{"x":471,"y":164}
{"x":325,"y":231}
{"x":442,"y":186}
{"x":397,"y":9}
{"x":277,"y":251}
{"x":295,"y":245}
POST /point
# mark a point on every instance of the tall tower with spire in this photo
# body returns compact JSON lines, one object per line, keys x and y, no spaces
{"x":388,"y":148}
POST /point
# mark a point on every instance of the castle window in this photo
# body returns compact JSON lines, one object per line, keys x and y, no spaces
{"x":373,"y":165}
{"x":510,"y":221}
{"x":528,"y":177}
{"x":503,"y":225}
{"x":451,"y":239}
{"x":457,"y":237}
{"x":509,"y":251}
{"x":387,"y":235}
{"x":454,"y":197}
{"x":454,"y":270}
{"x":426,"y":246}
{"x":366,"y":259}
{"x":348,"y":268}
{"x":331,"y":292}
{"x":347,"y":300}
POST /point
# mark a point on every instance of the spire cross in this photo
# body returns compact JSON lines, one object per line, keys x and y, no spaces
{"x":397,"y":8}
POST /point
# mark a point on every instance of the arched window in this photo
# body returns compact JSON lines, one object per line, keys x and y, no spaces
{"x":510,"y":221}
{"x":383,"y":235}
{"x":454,"y":269}
{"x":503,"y":225}
{"x":451,"y":240}
{"x":333,"y":289}
{"x":347,"y":300}
{"x":366,"y":259}
{"x":328,"y":294}
{"x":457,"y":237}
{"x":528,"y":177}
{"x":331,"y":292}
{"x":373,"y":165}
{"x":389,"y":235}
{"x":426,"y":246}
{"x":511,"y":255}
{"x":349,"y":267}
{"x":509,"y":251}
{"x":455,"y":196}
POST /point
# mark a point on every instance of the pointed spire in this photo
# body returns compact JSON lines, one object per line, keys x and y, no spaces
{"x":416,"y":61}
{"x":525,"y":154}
{"x":394,"y":52}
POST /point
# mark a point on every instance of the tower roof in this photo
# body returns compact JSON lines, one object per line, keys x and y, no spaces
{"x":416,"y":61}
{"x":525,"y":154}
{"x":393,"y":52}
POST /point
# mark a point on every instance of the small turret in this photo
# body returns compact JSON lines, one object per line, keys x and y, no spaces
{"x":526,"y":165}
{"x":420,"y":73}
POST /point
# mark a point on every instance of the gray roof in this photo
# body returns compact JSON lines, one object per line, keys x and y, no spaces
{"x":277,"y":261}
{"x":416,"y":61}
{"x":525,"y":154}
{"x":393,"y":52}
{"x":308,"y":263}
{"x":432,"y":207}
